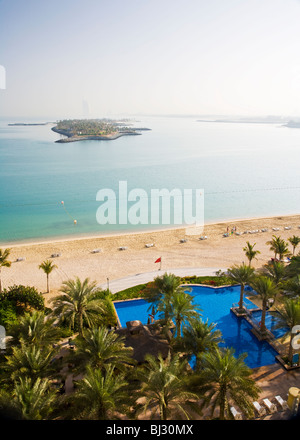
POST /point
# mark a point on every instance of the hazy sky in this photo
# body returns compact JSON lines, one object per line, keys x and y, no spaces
{"x":98,"y":58}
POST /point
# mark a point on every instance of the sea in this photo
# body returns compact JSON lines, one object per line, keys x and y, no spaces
{"x":49,"y":190}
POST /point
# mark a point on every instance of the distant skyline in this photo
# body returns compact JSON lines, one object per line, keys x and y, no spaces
{"x":101,"y":58}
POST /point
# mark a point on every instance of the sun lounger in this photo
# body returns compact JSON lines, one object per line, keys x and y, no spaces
{"x":236,"y":414}
{"x":96,"y":251}
{"x":21,"y":259}
{"x":122,"y":248}
{"x":183,"y":240}
{"x":270,"y":406}
{"x":55,"y":255}
{"x":276,"y":229}
{"x":204,"y":237}
{"x":282,"y":403}
{"x":260,"y":409}
{"x":287,"y":228}
{"x":149,"y":245}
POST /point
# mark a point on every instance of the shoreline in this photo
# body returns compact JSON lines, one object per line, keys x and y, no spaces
{"x":124,"y":255}
{"x":92,"y":236}
{"x":94,"y":138}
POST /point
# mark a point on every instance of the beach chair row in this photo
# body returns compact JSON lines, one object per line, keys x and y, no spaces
{"x":261,"y":410}
{"x":256,"y":231}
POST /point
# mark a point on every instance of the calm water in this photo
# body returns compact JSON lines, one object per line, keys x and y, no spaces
{"x":245,"y":170}
{"x":215,"y":305}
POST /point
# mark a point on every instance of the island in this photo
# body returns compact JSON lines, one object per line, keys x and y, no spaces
{"x":249,"y":120}
{"x":293,"y":124}
{"x":74,"y":130}
{"x":284,"y":122}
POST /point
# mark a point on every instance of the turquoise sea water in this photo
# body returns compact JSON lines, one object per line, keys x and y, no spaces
{"x":245,"y":170}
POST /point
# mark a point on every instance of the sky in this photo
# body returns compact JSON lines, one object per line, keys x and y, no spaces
{"x":101,"y":58}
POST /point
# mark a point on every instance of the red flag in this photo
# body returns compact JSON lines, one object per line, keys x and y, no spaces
{"x":158,"y":260}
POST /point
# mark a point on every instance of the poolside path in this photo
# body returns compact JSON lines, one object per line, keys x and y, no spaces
{"x":141,"y":278}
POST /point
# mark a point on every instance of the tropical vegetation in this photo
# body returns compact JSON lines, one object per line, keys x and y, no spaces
{"x":76,"y":337}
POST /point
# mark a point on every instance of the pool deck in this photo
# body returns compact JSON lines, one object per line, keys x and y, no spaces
{"x":274,"y":380}
{"x":142,"y":278}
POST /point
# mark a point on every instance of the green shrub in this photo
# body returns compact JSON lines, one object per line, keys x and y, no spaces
{"x":140,"y":290}
{"x":23,"y":298}
{"x":131,"y":293}
{"x":8,"y":313}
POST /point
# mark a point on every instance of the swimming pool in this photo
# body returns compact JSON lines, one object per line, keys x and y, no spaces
{"x":215,"y":304}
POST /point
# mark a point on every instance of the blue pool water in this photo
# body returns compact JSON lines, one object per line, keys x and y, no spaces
{"x":215,"y":305}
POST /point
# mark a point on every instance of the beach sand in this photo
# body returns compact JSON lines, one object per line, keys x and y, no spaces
{"x":76,"y":257}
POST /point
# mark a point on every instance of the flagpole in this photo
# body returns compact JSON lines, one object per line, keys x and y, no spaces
{"x":160,"y":264}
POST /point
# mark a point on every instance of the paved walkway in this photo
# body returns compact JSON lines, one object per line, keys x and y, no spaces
{"x":142,"y":278}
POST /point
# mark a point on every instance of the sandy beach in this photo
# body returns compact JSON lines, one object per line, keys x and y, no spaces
{"x":77,"y":259}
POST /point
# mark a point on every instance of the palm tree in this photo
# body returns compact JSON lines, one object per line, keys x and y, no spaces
{"x":292,"y":286}
{"x":250,"y":252}
{"x":225,"y":380}
{"x":100,"y":395}
{"x":161,"y":291}
{"x":164,"y":387}
{"x":289,"y":317}
{"x":279,"y":247}
{"x":283,"y":250}
{"x":294,"y":240}
{"x":265,"y":289}
{"x":274,"y":243}
{"x":47,"y":267}
{"x":4,"y":262}
{"x":182,"y":309}
{"x":31,"y":400}
{"x":242,"y":275}
{"x":34,"y":328}
{"x":31,"y":360}
{"x":101,"y":348}
{"x":77,"y":304}
{"x":200,"y":337}
{"x":276,"y":271}
{"x":293,"y":268}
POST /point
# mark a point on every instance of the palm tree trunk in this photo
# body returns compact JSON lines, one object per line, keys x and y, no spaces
{"x":47,"y":283}
{"x":241,"y":297}
{"x":263,"y":317}
{"x":290,"y":355}
{"x":222,"y":405}
{"x":163,"y":412}
{"x":80,"y":319}
{"x":178,"y":328}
